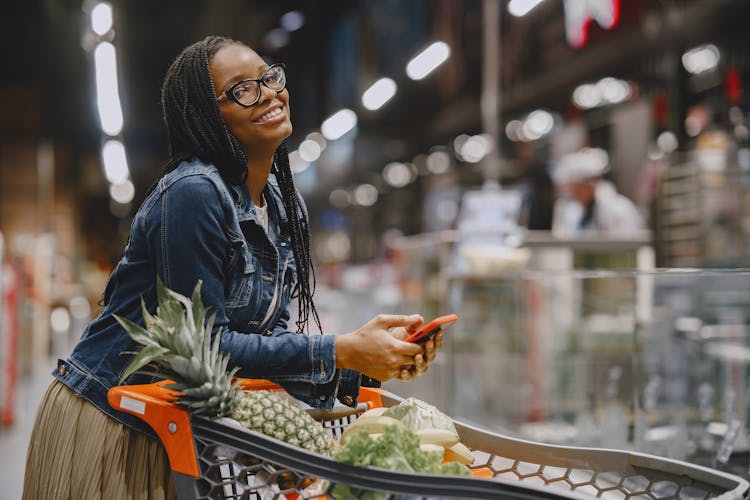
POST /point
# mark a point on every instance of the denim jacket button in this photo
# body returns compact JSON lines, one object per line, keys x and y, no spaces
{"x":347,"y":400}
{"x":322,"y":397}
{"x":61,"y":369}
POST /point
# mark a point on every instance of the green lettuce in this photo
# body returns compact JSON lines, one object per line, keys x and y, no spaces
{"x":397,"y":450}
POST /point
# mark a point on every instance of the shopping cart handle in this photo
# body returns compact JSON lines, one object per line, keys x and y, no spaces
{"x":258,"y":384}
{"x":153,"y":403}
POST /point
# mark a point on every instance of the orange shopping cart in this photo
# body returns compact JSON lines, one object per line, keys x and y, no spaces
{"x":213,"y":460}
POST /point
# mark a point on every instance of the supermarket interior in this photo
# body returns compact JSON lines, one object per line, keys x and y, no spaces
{"x":570,"y":177}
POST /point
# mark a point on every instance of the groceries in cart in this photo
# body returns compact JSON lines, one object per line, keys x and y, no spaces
{"x":412,"y":437}
{"x":241,"y":439}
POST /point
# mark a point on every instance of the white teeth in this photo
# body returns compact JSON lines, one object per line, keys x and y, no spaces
{"x":270,"y":114}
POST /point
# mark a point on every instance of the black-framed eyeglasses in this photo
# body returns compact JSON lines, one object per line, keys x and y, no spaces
{"x":246,"y":93}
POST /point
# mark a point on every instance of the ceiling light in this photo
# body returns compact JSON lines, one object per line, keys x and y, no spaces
{"x":317,"y":137}
{"x":101,"y":18}
{"x":339,"y":124}
{"x":438,"y":162}
{"x":701,"y":59}
{"x":399,"y":174}
{"x":107,"y":93}
{"x":293,"y":20}
{"x":513,"y":130}
{"x":613,"y":91}
{"x":309,"y":150}
{"x":538,"y":124}
{"x":365,"y":195}
{"x":520,"y":8}
{"x":115,"y":163}
{"x":379,"y":93}
{"x":426,"y":61}
{"x":297,"y":163}
{"x":458,"y":143}
{"x":123,"y":192}
{"x":587,"y":96}
{"x":476,"y":148}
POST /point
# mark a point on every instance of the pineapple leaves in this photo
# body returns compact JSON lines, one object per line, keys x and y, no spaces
{"x":136,"y":331}
{"x":178,"y":344}
{"x":147,"y":355}
{"x":199,"y":311}
{"x":169,"y":308}
{"x":148,"y":319}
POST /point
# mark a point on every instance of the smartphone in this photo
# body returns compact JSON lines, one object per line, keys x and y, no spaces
{"x":428,"y":330}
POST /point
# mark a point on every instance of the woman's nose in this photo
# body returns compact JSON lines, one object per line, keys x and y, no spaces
{"x":266,"y":93}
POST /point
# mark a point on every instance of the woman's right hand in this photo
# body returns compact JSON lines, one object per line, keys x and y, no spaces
{"x":373,"y":351}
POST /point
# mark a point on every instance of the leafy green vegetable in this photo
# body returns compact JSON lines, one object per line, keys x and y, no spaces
{"x":398,"y":450}
{"x":416,"y":415}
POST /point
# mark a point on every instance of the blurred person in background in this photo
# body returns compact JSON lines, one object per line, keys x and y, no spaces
{"x":588,"y":204}
{"x":537,"y":188}
{"x":226,"y":212}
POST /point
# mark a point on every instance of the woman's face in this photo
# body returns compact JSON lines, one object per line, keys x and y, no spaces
{"x":263,"y":125}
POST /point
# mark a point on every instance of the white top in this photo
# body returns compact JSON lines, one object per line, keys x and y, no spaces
{"x":262,"y":213}
{"x":614,"y":214}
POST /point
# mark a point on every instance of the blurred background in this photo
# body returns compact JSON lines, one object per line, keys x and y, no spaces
{"x":436,"y":143}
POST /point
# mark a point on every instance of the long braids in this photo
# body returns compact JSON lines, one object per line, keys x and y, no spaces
{"x":300,"y":234}
{"x":194,"y":125}
{"x":195,"y":128}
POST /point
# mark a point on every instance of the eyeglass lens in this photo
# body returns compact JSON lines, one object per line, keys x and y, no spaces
{"x":248,"y":92}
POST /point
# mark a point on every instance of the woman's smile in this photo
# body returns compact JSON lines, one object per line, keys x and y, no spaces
{"x":272,"y":115}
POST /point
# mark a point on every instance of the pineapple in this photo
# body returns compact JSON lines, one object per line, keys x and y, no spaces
{"x":267,"y":413}
{"x":177,"y":344}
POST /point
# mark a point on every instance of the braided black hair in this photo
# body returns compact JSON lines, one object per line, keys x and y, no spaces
{"x":196,"y":128}
{"x":194,"y":124}
{"x":300,"y":235}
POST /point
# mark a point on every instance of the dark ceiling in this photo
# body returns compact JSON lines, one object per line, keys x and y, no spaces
{"x":342,"y":48}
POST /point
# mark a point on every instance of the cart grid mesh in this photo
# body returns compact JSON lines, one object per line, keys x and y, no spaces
{"x":229,"y":473}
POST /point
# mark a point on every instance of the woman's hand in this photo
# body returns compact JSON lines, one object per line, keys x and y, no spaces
{"x":422,"y":360}
{"x":374,"y":351}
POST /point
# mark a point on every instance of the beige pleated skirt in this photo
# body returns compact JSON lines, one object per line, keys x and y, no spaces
{"x":77,"y":452}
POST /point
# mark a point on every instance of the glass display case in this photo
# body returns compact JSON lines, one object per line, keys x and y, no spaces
{"x":654,"y":361}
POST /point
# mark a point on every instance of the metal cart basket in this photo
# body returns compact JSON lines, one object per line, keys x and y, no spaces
{"x":215,"y":460}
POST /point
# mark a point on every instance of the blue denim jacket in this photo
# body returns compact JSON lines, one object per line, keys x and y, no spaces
{"x":192,"y":227}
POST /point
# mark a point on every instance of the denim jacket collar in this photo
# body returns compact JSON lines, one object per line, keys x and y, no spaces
{"x":245,"y":206}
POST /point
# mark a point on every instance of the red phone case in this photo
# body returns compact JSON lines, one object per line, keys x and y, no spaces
{"x":431,"y":328}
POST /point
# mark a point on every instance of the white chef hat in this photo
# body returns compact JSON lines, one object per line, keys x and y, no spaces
{"x":581,"y":165}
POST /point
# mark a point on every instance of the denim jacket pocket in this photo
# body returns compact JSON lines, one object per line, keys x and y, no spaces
{"x":241,"y":287}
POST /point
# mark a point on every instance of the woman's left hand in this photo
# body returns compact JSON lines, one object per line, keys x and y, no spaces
{"x":421,"y":361}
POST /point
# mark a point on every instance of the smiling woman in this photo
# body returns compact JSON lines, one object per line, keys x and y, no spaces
{"x":226,"y":213}
{"x":258,"y":124}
